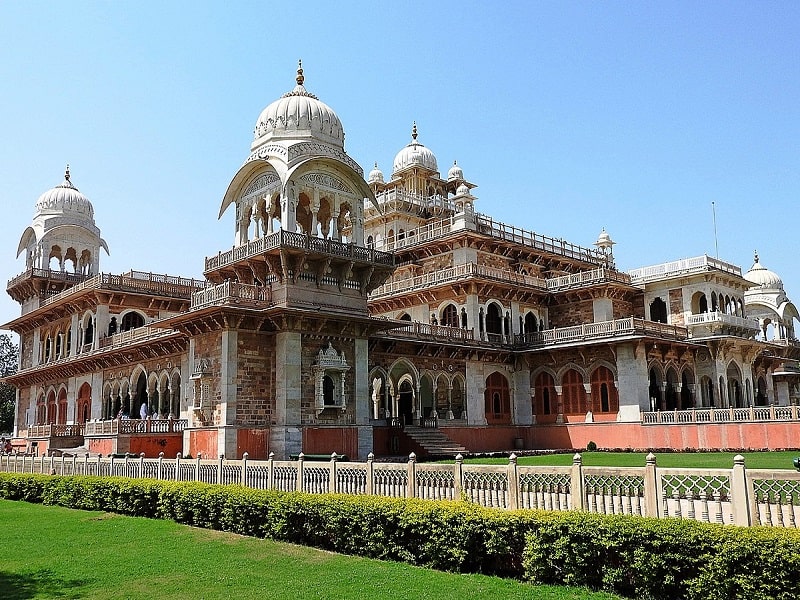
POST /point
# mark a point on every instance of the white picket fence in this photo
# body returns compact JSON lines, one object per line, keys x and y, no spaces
{"x":731,"y":496}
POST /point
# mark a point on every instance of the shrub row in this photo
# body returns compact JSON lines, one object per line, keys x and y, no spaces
{"x":631,"y":556}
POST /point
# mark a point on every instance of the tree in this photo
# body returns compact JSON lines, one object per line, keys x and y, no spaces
{"x":8,"y":366}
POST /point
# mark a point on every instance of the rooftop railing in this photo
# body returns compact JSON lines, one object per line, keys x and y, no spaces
{"x":723,"y":318}
{"x":686,"y":266}
{"x":231,"y":292}
{"x":602,"y":330}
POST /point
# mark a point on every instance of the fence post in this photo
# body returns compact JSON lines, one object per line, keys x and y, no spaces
{"x":178,"y":467}
{"x":219,"y":469}
{"x":740,"y":498}
{"x":74,"y":464}
{"x":577,"y":491}
{"x":332,"y":478}
{"x":652,"y":498}
{"x":141,"y":465}
{"x":370,"y":474}
{"x":63,"y":460}
{"x":245,"y":456}
{"x":301,"y":458}
{"x":197,"y":467}
{"x":86,"y":464}
{"x":513,"y":482}
{"x":160,"y":464}
{"x":411,"y":489}
{"x":99,"y":466}
{"x":458,"y":477}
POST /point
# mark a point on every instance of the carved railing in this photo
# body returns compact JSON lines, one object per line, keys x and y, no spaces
{"x":131,"y":336}
{"x":134,"y":426}
{"x":584,"y":278}
{"x":46,"y":274}
{"x":722,"y":415}
{"x":231,"y":292}
{"x":603,"y":329}
{"x":723,"y":318}
{"x":419,"y":330}
{"x":697,"y":264}
{"x":54,"y":430}
{"x":289,"y":239}
{"x":735,"y":496}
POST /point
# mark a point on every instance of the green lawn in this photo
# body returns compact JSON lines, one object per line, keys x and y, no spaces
{"x":688,"y":460}
{"x":54,"y":552}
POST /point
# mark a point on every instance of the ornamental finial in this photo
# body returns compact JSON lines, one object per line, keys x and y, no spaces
{"x":414,"y":132}
{"x":300,"y":79}
{"x":755,"y":255}
{"x":66,"y":173}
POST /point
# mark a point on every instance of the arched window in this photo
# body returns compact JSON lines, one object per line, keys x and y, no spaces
{"x":687,"y":398}
{"x":654,"y":390}
{"x":497,"y":399}
{"x":494,"y":322}
{"x":530,"y":323}
{"x":131,"y":320}
{"x":604,"y":393}
{"x":573,"y":393}
{"x":327,"y":391}
{"x":544,"y":394}
{"x":464,"y":318}
{"x":658,"y":311}
{"x":405,"y":317}
{"x":450,"y":316}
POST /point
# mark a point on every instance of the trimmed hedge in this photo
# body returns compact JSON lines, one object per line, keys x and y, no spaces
{"x":631,"y":556}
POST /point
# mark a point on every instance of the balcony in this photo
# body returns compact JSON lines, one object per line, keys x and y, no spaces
{"x":618,"y":328}
{"x":232,"y":293}
{"x":718,"y":322}
{"x":686,"y":266}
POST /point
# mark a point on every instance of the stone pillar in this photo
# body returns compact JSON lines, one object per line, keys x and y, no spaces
{"x":522,"y":409}
{"x":101,"y":321}
{"x":782,"y":393}
{"x":286,"y":437}
{"x":362,"y":396}
{"x":229,"y":373}
{"x":632,"y":381}
{"x":474,"y":388}
{"x":74,"y":335}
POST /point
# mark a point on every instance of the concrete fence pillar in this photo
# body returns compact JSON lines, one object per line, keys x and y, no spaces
{"x":178,"y":467}
{"x":245,"y":456}
{"x":332,"y":478}
{"x":219,"y":468}
{"x":370,"y":474}
{"x":652,"y":488}
{"x":740,"y":495}
{"x":411,"y":489}
{"x":577,"y":490}
{"x":458,"y":477}
{"x":160,"y":465}
{"x":301,"y":458}
{"x":512,"y":474}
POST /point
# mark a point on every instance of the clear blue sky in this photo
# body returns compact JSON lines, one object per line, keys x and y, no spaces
{"x":570,"y":117}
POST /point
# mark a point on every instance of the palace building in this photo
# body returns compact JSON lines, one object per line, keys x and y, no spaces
{"x":387,"y":314}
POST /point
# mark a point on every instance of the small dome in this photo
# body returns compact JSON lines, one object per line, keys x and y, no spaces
{"x":64,"y":198}
{"x":604,"y":240}
{"x":376,"y":175}
{"x":455,"y":172}
{"x":763,"y":277}
{"x":299,"y":114}
{"x":414,"y":155}
{"x":463,"y":190}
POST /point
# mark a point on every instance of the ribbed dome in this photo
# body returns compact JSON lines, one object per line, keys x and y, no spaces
{"x":455,"y":172}
{"x":763,"y":277}
{"x":299,"y":114}
{"x":376,"y":175}
{"x":64,"y":198}
{"x":414,"y":155}
{"x":463,"y":190}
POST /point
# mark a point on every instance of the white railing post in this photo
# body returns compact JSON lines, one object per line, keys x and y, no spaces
{"x":178,"y":466}
{"x":458,"y":476}
{"x":411,"y":490}
{"x":197,"y":467}
{"x":577,"y":494}
{"x":160,"y":464}
{"x":141,"y":465}
{"x":219,"y":469}
{"x":332,"y":478}
{"x":245,"y":456}
{"x":370,"y":474}
{"x":740,"y":498}
{"x":652,"y":488}
{"x":513,"y":482}
{"x":300,"y":461}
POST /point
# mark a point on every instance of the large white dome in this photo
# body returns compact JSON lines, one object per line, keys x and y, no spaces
{"x":763,"y":277}
{"x":64,"y":199}
{"x":414,"y":155}
{"x":299,"y":114}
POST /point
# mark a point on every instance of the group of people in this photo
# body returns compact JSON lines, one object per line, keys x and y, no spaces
{"x":144,"y":413}
{"x":5,"y":446}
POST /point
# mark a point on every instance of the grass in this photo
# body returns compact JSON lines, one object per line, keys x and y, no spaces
{"x":54,"y":552}
{"x":688,"y":460}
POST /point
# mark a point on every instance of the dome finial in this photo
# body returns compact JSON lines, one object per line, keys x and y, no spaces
{"x":66,"y":173}
{"x":414,"y":132}
{"x":755,"y":255}
{"x":300,"y":79}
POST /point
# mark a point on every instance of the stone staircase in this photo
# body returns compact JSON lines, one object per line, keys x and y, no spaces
{"x":434,"y":441}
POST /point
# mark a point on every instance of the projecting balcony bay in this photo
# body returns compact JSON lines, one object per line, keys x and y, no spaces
{"x":717,"y":317}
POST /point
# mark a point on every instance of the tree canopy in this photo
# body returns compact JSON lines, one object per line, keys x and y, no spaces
{"x":8,"y":366}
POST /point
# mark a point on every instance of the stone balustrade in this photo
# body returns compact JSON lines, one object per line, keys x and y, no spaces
{"x":731,"y":496}
{"x":686,"y":266}
{"x":750,"y":414}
